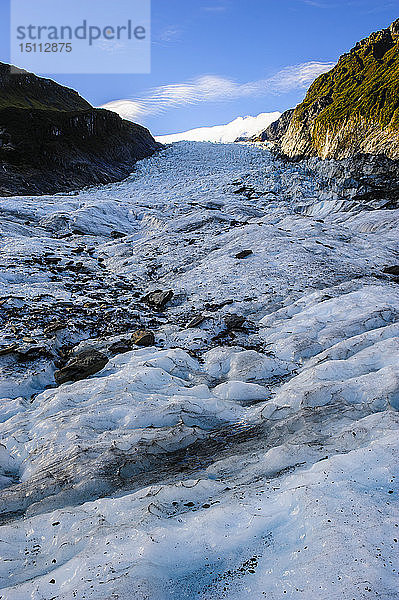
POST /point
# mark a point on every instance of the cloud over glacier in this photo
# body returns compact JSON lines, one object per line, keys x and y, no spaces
{"x":212,"y":88}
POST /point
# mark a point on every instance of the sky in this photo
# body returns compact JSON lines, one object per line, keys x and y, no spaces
{"x":214,"y":60}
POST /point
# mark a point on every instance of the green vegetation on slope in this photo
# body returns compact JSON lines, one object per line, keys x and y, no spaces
{"x":364,"y":84}
{"x":25,"y":90}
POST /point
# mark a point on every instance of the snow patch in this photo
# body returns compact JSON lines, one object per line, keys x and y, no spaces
{"x":241,"y":127}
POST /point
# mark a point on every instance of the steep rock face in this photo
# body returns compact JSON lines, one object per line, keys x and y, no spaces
{"x":276,"y":130}
{"x":362,"y":182}
{"x":51,"y":139}
{"x":352,"y":109}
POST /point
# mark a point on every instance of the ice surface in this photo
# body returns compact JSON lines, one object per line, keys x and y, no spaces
{"x":249,"y":460}
{"x":242,"y":127}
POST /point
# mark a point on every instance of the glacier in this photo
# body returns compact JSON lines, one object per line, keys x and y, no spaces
{"x":252,"y":451}
{"x":241,"y":127}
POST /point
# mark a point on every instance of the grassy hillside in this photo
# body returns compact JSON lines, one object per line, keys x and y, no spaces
{"x":25,"y":90}
{"x":364,"y":84}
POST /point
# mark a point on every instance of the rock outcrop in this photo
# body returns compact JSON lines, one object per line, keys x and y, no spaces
{"x":277,"y":129}
{"x":353,"y":109}
{"x":52,"y":140}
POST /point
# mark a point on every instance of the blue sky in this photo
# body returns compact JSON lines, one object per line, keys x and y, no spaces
{"x":229,"y":58}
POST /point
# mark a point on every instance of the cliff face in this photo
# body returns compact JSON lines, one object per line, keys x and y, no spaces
{"x":52,"y":140}
{"x":352,"y":109}
{"x":277,"y":129}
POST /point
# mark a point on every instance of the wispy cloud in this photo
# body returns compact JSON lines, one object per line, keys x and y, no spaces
{"x":211,"y":88}
{"x":170,"y":34}
{"x":220,"y":6}
{"x":317,"y":4}
{"x":364,"y":6}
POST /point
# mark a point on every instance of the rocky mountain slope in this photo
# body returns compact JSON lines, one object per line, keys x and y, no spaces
{"x":352,"y":109}
{"x":51,"y":139}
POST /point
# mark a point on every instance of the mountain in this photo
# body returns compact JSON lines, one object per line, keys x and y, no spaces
{"x":352,"y":109}
{"x":240,"y":128}
{"x":51,"y":139}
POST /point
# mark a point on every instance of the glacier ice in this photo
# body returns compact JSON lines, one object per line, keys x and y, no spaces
{"x":256,"y":462}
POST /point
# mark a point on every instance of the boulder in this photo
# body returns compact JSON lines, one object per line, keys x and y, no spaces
{"x":121,"y":346}
{"x":195,"y":321}
{"x":394,"y":270}
{"x":118,"y":235}
{"x":82,"y":365}
{"x":244,"y":253}
{"x":234,"y":322}
{"x":158,"y":298}
{"x":143,"y":338}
